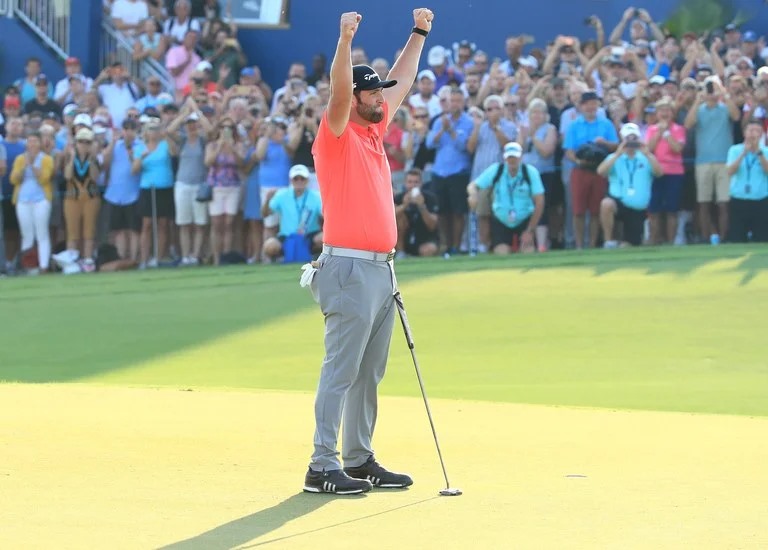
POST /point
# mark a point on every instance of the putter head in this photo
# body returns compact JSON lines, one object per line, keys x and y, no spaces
{"x":448,"y":492}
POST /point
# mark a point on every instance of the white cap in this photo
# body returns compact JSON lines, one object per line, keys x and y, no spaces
{"x":84,"y":134}
{"x":83,"y":119}
{"x":426,"y":73}
{"x":657,"y":79}
{"x":528,"y":61}
{"x":436,"y":56}
{"x":629,"y":129}
{"x":204,"y":66}
{"x":513,"y":149}
{"x":193,"y":117}
{"x":298,"y":170}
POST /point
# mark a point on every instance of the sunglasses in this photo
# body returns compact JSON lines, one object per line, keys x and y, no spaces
{"x":151,"y":83}
{"x":419,"y":116}
{"x":227,"y":127}
{"x":84,"y":141}
{"x":510,"y":105}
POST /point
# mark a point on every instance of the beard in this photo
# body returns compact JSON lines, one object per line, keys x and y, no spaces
{"x":371,"y":113}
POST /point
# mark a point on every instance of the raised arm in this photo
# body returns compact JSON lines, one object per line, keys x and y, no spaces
{"x":340,"y":102}
{"x":407,"y":64}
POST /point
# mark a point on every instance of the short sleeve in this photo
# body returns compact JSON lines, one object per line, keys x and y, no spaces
{"x":325,"y":137}
{"x":275,"y":203}
{"x":733,"y":153}
{"x":485,"y":180}
{"x":139,"y":149}
{"x":537,"y":186}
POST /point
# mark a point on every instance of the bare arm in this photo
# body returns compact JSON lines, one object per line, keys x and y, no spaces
{"x":693,"y":113}
{"x":618,"y":32}
{"x":211,"y":152}
{"x":472,"y":141}
{"x":546,"y":147}
{"x":407,"y":65}
{"x":340,"y":102}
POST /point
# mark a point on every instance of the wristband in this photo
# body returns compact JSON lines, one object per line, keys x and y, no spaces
{"x":422,"y":32}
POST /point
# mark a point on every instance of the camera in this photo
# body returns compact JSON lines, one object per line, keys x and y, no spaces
{"x":710,"y":87}
{"x":589,"y":21}
{"x":309,"y":112}
{"x":637,"y":12}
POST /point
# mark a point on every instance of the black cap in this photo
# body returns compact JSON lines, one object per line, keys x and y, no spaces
{"x":589,"y":96}
{"x":365,"y":78}
{"x":52,"y":115}
{"x":151,"y":111}
{"x":731,"y":27}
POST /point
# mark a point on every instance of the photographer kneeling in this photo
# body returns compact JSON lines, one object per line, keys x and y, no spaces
{"x":300,"y":211}
{"x":517,"y":203}
{"x":630,"y":172}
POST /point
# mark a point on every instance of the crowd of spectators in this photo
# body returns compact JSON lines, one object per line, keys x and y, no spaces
{"x":638,"y":138}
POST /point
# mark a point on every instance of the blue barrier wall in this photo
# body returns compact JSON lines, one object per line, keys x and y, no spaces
{"x":18,"y":43}
{"x":386,"y":25}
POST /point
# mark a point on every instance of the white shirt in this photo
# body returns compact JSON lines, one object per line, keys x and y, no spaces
{"x":62,"y":89}
{"x":118,"y":99}
{"x":130,"y":13}
{"x":432,"y":105}
{"x":176,"y":30}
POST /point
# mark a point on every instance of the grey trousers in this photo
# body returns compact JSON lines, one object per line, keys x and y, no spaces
{"x":356,"y":298}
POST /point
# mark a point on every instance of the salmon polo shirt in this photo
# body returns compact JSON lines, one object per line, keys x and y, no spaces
{"x":356,"y":186}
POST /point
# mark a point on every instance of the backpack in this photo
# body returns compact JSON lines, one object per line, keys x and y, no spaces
{"x":500,"y":171}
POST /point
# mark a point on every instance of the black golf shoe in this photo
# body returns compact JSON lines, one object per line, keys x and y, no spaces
{"x":336,"y":482}
{"x":379,"y":476}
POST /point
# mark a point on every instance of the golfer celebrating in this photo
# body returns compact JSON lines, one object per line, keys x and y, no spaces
{"x":355,"y":281}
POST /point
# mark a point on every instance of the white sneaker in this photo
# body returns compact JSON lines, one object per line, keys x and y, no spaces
{"x":611,"y":244}
{"x":152,"y":262}
{"x":482,"y":249}
{"x":193,"y":261}
{"x":186,"y":261}
{"x":680,"y":240}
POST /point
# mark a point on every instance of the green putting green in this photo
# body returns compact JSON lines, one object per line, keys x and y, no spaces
{"x":677,"y":329}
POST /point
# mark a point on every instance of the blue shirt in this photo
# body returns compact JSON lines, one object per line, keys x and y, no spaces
{"x":581,"y":131}
{"x":123,"y":186}
{"x":630,"y":180}
{"x":750,"y":182}
{"x":273,"y":170}
{"x":714,"y":134}
{"x":27,"y":90}
{"x":512,"y":196}
{"x":451,"y":155}
{"x":544,"y":165}
{"x":31,"y":190}
{"x":297,"y":214}
{"x":156,"y":169}
{"x":12,"y":150}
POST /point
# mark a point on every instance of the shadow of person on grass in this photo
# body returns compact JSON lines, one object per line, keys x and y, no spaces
{"x":239,"y":531}
{"x":247,"y":528}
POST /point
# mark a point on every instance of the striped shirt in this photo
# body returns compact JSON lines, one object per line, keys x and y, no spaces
{"x":488,"y":150}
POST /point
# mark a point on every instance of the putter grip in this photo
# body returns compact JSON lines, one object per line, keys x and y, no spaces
{"x":404,"y":320}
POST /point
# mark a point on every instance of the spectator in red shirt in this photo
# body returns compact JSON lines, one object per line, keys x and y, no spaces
{"x":393,"y":146}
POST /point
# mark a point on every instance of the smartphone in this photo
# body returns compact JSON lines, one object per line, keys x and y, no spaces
{"x":226,"y":133}
{"x":710,"y":88}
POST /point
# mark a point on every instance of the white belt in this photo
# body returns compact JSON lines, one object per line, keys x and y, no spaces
{"x":359,"y":254}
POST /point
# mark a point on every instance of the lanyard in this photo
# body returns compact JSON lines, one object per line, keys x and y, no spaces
{"x":300,"y":209}
{"x":631,"y":171}
{"x":749,"y":163}
{"x":81,"y":168}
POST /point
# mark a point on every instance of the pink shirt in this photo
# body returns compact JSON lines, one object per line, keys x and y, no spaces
{"x":394,"y":138}
{"x":671,"y":162}
{"x":356,"y":186}
{"x":176,"y":57}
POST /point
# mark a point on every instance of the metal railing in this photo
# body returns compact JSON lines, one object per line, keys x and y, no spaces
{"x":49,"y":19}
{"x":5,"y":8}
{"x":115,"y":46}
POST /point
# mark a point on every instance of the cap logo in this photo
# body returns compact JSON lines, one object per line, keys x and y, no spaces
{"x":370,"y":76}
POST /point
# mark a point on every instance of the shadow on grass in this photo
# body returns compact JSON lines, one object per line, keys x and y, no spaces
{"x":83,"y":326}
{"x":243,"y":530}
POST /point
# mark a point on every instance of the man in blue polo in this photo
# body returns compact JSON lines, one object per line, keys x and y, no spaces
{"x":748,"y":168}
{"x":299,"y":209}
{"x":517,"y":200}
{"x":450,"y":172}
{"x":587,"y":136}
{"x":630,"y":172}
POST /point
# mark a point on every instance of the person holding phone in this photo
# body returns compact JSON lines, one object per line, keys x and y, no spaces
{"x":710,"y":117}
{"x":630,"y":172}
{"x":224,"y":157}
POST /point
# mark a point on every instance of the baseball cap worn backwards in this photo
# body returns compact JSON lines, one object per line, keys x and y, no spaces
{"x":365,"y":78}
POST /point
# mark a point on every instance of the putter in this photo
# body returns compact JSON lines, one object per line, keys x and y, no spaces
{"x":448,"y":491}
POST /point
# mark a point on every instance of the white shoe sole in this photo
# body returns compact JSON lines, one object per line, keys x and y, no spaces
{"x":309,"y":489}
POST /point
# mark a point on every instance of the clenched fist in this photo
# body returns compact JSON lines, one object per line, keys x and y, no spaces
{"x":349,"y":23}
{"x":422,"y":18}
